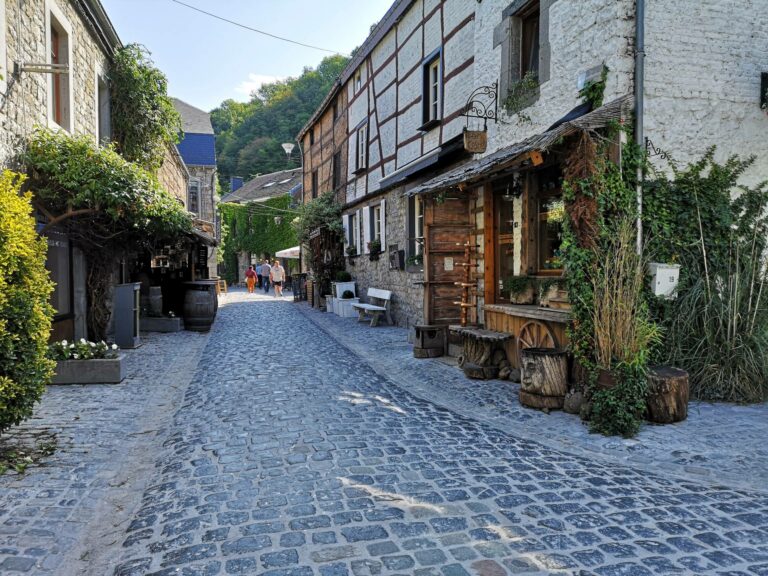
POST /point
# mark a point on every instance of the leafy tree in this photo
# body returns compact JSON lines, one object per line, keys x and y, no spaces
{"x":249,"y":135}
{"x":108,"y":206}
{"x":25,"y":311}
{"x":144,"y":120}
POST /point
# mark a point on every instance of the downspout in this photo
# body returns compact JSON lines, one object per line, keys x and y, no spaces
{"x":639,"y":101}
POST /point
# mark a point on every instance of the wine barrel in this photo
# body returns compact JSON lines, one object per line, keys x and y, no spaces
{"x":544,"y":377}
{"x":200,"y":305}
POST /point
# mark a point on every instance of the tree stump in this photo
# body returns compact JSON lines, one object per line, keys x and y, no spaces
{"x":544,"y":377}
{"x":482,"y":352}
{"x":668,"y":392}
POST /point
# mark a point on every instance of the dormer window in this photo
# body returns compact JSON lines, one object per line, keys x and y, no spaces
{"x":358,"y":80}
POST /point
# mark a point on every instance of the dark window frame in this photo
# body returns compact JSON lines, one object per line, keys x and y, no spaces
{"x":336,"y":171}
{"x":428,"y":122}
{"x":315,"y":182}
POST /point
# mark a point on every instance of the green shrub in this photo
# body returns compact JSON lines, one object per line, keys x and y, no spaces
{"x":343,"y":276}
{"x":347,"y":294}
{"x":25,"y":311}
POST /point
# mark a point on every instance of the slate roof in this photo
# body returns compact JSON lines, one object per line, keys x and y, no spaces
{"x":198,"y":149}
{"x":193,"y":120}
{"x":266,"y":186}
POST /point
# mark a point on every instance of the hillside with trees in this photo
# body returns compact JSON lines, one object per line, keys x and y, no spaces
{"x":249,"y":134}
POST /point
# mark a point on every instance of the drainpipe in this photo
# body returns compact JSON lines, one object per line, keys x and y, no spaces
{"x":639,"y":128}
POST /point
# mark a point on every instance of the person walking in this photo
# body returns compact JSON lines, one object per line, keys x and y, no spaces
{"x":258,"y":274}
{"x":250,"y":279}
{"x":277,"y":277}
{"x":266,"y":274}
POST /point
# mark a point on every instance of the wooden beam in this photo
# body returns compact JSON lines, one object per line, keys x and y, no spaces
{"x":490,"y":249}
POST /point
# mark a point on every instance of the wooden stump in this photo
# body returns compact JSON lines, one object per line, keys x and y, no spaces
{"x":426,"y":352}
{"x":544,"y":377}
{"x":477,"y":372}
{"x":667,"y":395}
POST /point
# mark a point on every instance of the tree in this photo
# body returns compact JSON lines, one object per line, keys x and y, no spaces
{"x":249,"y":135}
{"x":25,"y":310}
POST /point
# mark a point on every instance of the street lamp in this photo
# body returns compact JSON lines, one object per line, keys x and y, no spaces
{"x":288,"y":147}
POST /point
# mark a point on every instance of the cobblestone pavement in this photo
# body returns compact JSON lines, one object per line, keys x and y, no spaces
{"x":720,"y":442}
{"x":289,"y":456}
{"x":61,"y":517}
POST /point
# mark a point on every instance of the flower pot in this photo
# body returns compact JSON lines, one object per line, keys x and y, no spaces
{"x":525,"y":297}
{"x":96,"y":371}
{"x":161,"y":324}
{"x":606,"y":379}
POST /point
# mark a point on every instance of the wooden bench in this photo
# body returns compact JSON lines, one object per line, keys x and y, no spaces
{"x":379,"y":305}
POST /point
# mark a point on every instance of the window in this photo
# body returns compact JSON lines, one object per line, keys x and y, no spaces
{"x":314,"y":183}
{"x":549,"y":234}
{"x":58,"y":42}
{"x":353,"y":231}
{"x":415,"y":229}
{"x":361,"y":144}
{"x":103,"y":111}
{"x":529,"y":40}
{"x":336,"y":170}
{"x":358,"y":80}
{"x":432,"y":97}
{"x":312,"y":135}
{"x":193,"y":197}
{"x":335,"y":109}
{"x":376,"y":222}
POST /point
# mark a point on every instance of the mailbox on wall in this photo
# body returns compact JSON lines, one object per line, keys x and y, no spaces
{"x":664,"y":279}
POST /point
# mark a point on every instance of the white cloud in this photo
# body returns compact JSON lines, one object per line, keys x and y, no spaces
{"x":254,"y":82}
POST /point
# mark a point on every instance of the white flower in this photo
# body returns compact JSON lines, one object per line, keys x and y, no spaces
{"x":93,"y":344}
{"x":114,"y":346}
{"x":63,"y":342}
{"x":71,"y":345}
{"x":75,"y":356}
{"x":83,"y":341}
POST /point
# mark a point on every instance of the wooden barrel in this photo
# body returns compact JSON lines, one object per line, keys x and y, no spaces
{"x":200,"y":304}
{"x":544,"y":377}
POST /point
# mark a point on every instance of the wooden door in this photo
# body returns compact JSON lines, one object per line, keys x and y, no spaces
{"x":446,"y":229}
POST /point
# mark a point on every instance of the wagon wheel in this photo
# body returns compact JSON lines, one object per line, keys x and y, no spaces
{"x":534,"y":334}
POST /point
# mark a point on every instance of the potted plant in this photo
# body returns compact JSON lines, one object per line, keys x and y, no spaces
{"x":415,"y":260}
{"x":374,"y":249}
{"x":521,"y":289}
{"x":85,"y":362}
{"x":552,"y":293}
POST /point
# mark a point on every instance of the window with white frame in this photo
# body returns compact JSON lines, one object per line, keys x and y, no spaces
{"x":376,"y":222}
{"x":415,"y":229}
{"x":58,"y":55}
{"x":193,"y":197}
{"x":361,"y":145}
{"x":103,"y":111}
{"x":353,"y":232}
{"x":432,"y":96}
{"x":358,"y":80}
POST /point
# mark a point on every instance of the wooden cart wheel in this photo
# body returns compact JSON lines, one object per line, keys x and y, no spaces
{"x":534,"y":334}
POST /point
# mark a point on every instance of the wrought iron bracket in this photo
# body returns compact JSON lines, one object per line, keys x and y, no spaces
{"x":651,"y":150}
{"x":483,"y":103}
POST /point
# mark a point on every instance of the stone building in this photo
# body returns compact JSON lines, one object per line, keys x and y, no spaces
{"x":198,"y":151}
{"x":174,"y":175}
{"x":430,"y":67}
{"x":77,"y":38}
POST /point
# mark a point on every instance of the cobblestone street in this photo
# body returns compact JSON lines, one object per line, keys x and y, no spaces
{"x":290,"y":455}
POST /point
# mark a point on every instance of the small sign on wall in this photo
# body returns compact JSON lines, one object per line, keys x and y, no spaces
{"x":396,"y":258}
{"x":448,"y":263}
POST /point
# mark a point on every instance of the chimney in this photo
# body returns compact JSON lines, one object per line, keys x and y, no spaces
{"x":235,"y":183}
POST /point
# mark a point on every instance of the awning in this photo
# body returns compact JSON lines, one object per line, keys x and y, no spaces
{"x":487,"y":167}
{"x":294,"y":252}
{"x":200,"y":236}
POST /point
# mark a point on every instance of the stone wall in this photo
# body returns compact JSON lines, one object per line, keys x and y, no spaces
{"x":173,"y":174}
{"x":25,"y":101}
{"x":208,"y":202}
{"x":408,"y":295}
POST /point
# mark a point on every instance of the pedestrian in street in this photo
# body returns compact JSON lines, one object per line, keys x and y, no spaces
{"x":258,"y":274}
{"x":266,"y":274}
{"x":277,"y":277}
{"x":250,"y":279}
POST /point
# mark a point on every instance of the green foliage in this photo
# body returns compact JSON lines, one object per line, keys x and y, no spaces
{"x":81,"y":350}
{"x":521,"y":95}
{"x":619,"y":411}
{"x":343,"y":276}
{"x":347,"y":294}
{"x":144,"y":120}
{"x":108,"y":206}
{"x":516,"y":285}
{"x":252,"y":228}
{"x":322,"y":212}
{"x":718,"y":326}
{"x":25,"y":311}
{"x":249,"y":135}
{"x":594,"y":90}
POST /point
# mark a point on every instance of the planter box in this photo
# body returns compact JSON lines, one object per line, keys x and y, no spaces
{"x":340,"y":287}
{"x":344,"y":308}
{"x":330,"y":304}
{"x":161,"y":324}
{"x":101,"y":371}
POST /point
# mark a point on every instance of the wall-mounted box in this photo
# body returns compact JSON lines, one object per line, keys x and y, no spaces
{"x":664,"y":279}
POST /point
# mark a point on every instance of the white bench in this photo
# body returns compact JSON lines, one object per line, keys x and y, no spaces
{"x":379,"y":305}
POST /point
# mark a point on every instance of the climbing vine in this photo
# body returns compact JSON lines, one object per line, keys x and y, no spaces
{"x":258,"y":228}
{"x":594,"y":90}
{"x":520,"y":96}
{"x":144,"y":120}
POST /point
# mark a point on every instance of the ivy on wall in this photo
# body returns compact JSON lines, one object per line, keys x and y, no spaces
{"x":253,"y":228}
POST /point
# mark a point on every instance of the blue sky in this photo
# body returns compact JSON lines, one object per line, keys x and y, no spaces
{"x":208,"y":61}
